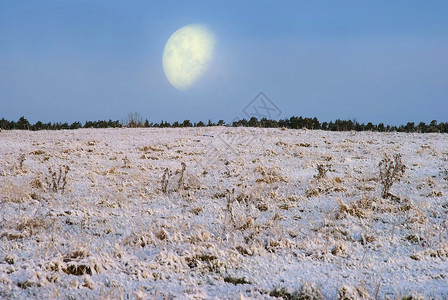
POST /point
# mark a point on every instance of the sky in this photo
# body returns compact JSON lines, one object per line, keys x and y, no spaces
{"x":370,"y":61}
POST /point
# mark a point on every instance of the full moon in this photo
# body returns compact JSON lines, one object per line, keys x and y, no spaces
{"x":187,"y":55}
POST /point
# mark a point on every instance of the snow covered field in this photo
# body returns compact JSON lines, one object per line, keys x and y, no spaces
{"x":200,"y":213}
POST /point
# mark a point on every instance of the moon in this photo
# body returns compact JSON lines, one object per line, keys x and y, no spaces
{"x":187,"y":55}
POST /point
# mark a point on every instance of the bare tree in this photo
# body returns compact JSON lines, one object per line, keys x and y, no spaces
{"x":133,"y":120}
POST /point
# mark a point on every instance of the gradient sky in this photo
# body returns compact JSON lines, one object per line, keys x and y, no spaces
{"x":379,"y":61}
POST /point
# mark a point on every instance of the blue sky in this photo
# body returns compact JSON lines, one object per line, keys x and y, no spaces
{"x":379,"y":61}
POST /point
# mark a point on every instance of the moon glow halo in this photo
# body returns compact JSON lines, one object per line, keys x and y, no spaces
{"x":187,"y":55}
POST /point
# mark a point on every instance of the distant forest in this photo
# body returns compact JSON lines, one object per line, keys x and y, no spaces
{"x":134,"y":120}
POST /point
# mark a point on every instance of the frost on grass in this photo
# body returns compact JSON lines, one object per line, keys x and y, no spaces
{"x":391,"y":171}
{"x":146,"y":214}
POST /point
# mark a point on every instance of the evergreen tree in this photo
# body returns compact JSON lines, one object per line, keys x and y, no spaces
{"x":75,"y":125}
{"x":315,"y":123}
{"x":253,"y":122}
{"x":421,"y":127}
{"x":4,"y":124}
{"x":284,"y":123}
{"x":410,"y":127}
{"x":433,"y":126}
{"x":370,"y":127}
{"x":186,"y":123}
{"x":37,"y":126}
{"x":23,"y":124}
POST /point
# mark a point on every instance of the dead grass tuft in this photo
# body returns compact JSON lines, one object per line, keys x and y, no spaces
{"x":347,"y":292}
{"x":196,"y":211}
{"x":30,"y":224}
{"x":179,"y":180}
{"x":57,"y":178}
{"x":37,"y":152}
{"x":308,"y":291}
{"x":11,"y":192}
{"x":326,"y":186}
{"x":162,"y":234}
{"x":150,"y":148}
{"x":79,"y":262}
{"x":165,"y":180}
{"x":229,"y":217}
{"x":269,"y":175}
{"x":358,"y":209}
{"x":322,"y":171}
{"x":391,"y":171}
{"x":37,"y":183}
{"x":236,"y":280}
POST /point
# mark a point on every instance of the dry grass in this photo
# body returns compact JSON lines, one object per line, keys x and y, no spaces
{"x":391,"y":171}
{"x":57,"y":178}
{"x":12,"y":192}
{"x":277,"y":213}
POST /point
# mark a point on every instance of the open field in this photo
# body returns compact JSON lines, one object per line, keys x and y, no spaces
{"x":199,"y":213}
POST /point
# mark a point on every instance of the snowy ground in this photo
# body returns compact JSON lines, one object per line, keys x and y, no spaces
{"x":248,"y":217}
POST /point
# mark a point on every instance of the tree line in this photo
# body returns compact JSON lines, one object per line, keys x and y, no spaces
{"x":24,"y":124}
{"x":293,"y":122}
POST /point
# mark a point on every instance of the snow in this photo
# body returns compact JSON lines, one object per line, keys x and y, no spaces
{"x":249,"y":217}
